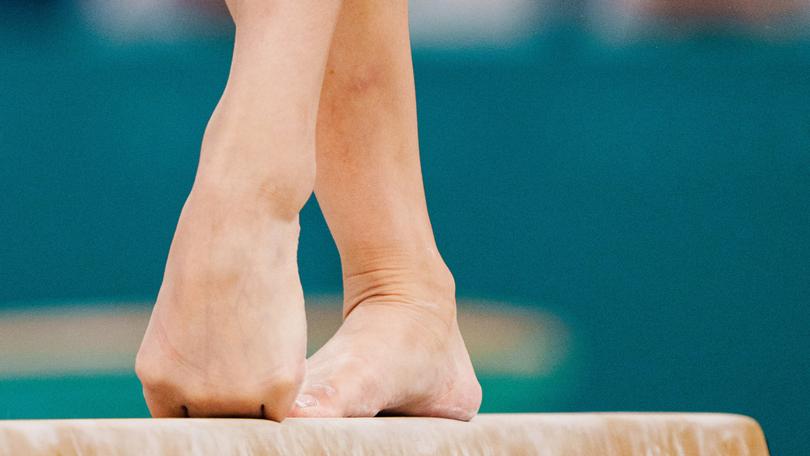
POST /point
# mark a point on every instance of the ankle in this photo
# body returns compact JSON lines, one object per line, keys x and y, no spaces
{"x":411,"y":276}
{"x":280,"y":194}
{"x":271,"y":168}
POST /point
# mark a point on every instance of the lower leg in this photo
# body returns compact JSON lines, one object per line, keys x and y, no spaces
{"x":399,"y":348}
{"x":227,"y":335}
{"x":369,"y":182}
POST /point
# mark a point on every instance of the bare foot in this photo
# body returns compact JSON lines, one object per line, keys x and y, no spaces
{"x":399,"y":350}
{"x":227,"y":335}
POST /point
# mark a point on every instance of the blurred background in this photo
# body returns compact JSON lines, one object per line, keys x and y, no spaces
{"x":621,"y":187}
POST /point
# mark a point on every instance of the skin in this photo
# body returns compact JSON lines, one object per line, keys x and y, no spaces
{"x":399,"y":349}
{"x":227,"y":334}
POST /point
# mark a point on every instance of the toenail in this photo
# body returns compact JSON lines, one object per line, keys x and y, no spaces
{"x":306,"y":400}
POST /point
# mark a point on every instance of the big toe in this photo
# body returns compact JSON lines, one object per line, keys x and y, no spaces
{"x":270,"y":401}
{"x":318,"y":400}
{"x":346,"y":391}
{"x":173,"y":396}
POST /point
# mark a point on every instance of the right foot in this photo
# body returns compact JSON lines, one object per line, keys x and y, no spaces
{"x":399,"y":349}
{"x":227,"y":335}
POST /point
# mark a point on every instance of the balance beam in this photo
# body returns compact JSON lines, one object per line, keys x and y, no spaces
{"x":597,"y":434}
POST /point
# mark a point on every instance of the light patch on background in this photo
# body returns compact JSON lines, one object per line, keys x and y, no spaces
{"x":70,"y":340}
{"x":97,"y":339}
{"x":623,"y":20}
{"x":151,"y":20}
{"x":434,"y":23}
{"x":473,"y":23}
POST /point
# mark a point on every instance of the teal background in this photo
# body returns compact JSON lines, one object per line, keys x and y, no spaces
{"x":655,"y":194}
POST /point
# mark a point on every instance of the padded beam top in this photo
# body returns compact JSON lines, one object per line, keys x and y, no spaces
{"x":613,"y":434}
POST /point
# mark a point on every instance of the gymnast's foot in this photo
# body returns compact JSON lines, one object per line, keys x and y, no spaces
{"x":227,"y":335}
{"x":399,"y":350}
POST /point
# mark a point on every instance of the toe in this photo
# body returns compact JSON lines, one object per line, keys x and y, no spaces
{"x":270,"y":401}
{"x":317,"y":400}
{"x":162,"y":404}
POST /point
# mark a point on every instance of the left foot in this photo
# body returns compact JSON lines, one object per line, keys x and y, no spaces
{"x":399,"y":350}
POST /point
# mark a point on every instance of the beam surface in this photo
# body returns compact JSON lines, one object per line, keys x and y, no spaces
{"x":605,"y":434}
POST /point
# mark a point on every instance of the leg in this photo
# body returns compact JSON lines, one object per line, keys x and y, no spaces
{"x":399,"y":349}
{"x":227,"y":335}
